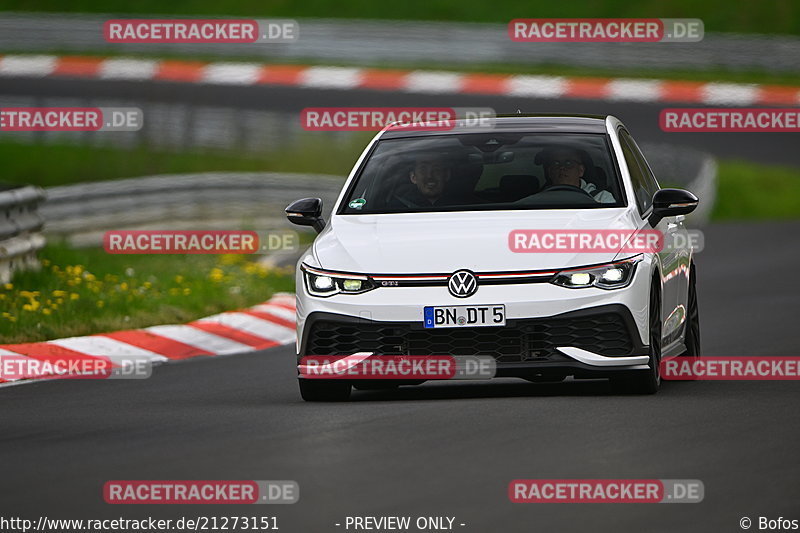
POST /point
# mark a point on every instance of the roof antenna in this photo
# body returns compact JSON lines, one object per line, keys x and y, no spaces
{"x":519,"y":111}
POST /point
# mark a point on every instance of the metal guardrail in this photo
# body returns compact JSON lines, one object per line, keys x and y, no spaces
{"x":180,"y":126}
{"x":377,"y":42}
{"x":81,"y":213}
{"x":20,"y":229}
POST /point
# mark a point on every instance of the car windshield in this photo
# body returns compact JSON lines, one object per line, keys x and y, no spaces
{"x":486,"y":171}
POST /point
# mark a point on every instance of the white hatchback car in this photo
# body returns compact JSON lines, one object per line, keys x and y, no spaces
{"x":417,"y":257}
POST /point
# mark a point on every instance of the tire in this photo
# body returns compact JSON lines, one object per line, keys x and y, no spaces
{"x":324,"y":390}
{"x":692,"y":339}
{"x":646,"y":381}
{"x":692,"y":336}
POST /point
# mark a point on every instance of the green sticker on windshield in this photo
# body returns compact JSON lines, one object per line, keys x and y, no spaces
{"x":358,"y":203}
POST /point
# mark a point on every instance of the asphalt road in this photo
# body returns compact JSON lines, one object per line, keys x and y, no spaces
{"x":641,"y":118}
{"x":441,"y":449}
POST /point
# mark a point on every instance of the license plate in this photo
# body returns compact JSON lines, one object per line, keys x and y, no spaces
{"x":463,"y":316}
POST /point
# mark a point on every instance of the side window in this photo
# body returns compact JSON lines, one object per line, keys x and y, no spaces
{"x":644,"y":185}
{"x":650,"y":179}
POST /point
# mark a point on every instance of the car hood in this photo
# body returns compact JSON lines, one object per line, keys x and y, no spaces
{"x":407,"y":243}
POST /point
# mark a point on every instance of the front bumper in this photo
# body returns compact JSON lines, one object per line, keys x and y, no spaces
{"x":540,"y":319}
{"x":584,"y":343}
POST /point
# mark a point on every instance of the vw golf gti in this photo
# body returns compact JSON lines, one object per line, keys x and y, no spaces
{"x":418,"y":257}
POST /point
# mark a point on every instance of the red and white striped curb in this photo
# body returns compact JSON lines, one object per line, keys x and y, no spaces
{"x":412,"y":81}
{"x":256,"y":328}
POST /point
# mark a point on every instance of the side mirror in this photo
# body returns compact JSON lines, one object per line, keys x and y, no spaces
{"x":670,"y":203}
{"x":306,"y":212}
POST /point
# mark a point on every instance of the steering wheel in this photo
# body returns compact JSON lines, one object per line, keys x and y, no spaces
{"x":570,"y":188}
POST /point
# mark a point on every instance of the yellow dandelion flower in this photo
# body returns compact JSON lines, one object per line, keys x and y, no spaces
{"x":187,"y":291}
{"x":74,"y":296}
{"x":46,"y":311}
{"x":8,"y":286}
{"x":179,"y":279}
{"x":230,"y":259}
{"x":100,"y":303}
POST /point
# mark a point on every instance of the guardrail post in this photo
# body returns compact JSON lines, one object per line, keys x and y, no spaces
{"x":20,"y":229}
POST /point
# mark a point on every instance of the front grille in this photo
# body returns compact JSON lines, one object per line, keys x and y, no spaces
{"x":519,"y":340}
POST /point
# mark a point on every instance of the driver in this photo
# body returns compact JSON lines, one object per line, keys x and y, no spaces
{"x":563,"y":166}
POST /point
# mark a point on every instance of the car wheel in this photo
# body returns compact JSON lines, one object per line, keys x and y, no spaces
{"x":646,"y":381}
{"x":693,"y":319}
{"x":324,"y":390}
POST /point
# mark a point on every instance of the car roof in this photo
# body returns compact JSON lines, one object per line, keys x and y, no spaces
{"x":533,"y":123}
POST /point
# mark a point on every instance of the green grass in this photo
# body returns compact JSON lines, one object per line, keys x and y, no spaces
{"x":48,"y":165}
{"x":86,"y":291}
{"x":767,"y":16}
{"x":749,"y":191}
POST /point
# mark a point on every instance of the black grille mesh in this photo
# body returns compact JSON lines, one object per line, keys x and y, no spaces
{"x":605,"y":334}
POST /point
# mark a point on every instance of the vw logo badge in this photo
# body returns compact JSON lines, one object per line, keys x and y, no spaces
{"x":462,"y":284}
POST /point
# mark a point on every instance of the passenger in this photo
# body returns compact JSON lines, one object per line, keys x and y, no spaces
{"x":430,"y":175}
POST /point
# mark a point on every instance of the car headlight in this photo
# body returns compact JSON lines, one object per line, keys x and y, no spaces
{"x":327,"y":283}
{"x":611,"y":276}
